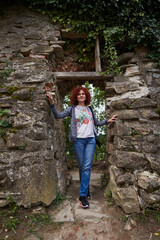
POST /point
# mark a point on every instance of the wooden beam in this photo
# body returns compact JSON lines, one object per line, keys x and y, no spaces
{"x":97,"y":56}
{"x":72,"y":35}
{"x":81,"y":76}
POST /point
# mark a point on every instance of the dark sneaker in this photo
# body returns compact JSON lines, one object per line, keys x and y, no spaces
{"x":83,"y":201}
{"x":89,"y":195}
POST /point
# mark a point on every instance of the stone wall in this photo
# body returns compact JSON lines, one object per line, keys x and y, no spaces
{"x":32,"y":148}
{"x":133,"y":142}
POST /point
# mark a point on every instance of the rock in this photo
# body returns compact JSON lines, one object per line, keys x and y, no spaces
{"x":143,"y":102}
{"x":148,"y":180}
{"x":37,"y":184}
{"x":124,"y":58}
{"x":132,"y":71}
{"x":33,"y":35}
{"x":127,"y":197}
{"x":62,"y":213}
{"x":61,"y":43}
{"x":3,"y":202}
{"x":93,"y":214}
{"x":120,"y":129}
{"x":31,"y":237}
{"x":25,"y":51}
{"x":127,"y":227}
{"x":58,"y":51}
{"x":14,"y":141}
{"x":128,"y":115}
{"x":39,"y":210}
{"x":121,"y":79}
{"x":129,"y":160}
{"x":121,"y":104}
{"x":23,"y":94}
{"x":125,"y":179}
{"x":150,"y":198}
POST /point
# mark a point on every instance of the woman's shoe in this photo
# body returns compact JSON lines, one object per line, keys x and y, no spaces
{"x":83,"y":202}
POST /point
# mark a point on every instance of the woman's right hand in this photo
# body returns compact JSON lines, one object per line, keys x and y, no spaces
{"x":50,"y":99}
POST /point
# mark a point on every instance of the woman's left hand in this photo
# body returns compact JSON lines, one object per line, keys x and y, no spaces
{"x":113,"y":118}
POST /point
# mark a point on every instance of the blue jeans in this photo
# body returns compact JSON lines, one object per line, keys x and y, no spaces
{"x":84,"y":149}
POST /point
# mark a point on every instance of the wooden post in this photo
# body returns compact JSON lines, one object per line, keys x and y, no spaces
{"x":97,"y":56}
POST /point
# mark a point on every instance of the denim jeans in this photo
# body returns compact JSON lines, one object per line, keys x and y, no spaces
{"x":84,"y":149}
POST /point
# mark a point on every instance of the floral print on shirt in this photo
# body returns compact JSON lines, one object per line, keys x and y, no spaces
{"x":83,"y":116}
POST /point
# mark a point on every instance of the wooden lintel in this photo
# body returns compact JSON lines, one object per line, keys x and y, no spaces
{"x":81,"y":76}
{"x":72,"y":35}
{"x":97,"y":56}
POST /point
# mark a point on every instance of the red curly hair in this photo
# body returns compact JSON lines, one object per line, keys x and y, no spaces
{"x":75,"y":92}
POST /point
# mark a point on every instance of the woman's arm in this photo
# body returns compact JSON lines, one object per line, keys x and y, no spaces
{"x":63,"y":114}
{"x":57,"y":114}
{"x":101,"y":123}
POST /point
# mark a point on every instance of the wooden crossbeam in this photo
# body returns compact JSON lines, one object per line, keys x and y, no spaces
{"x":80,"y":76}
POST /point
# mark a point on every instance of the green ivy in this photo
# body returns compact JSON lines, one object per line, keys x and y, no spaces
{"x":122,"y":25}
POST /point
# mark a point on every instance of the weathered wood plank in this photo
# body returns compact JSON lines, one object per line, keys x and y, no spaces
{"x":97,"y":56}
{"x":72,"y":35}
{"x":81,"y":75}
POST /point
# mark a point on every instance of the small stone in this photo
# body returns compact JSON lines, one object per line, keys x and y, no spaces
{"x":128,"y":226}
{"x":39,"y":210}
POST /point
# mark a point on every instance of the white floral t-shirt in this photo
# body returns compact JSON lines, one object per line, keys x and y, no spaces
{"x":84,"y":122}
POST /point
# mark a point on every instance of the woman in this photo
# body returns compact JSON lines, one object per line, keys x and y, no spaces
{"x":82,"y":134}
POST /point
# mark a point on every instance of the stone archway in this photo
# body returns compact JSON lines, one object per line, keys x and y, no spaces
{"x":32,"y":165}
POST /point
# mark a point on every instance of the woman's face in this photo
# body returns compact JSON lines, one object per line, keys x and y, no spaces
{"x":81,"y":97}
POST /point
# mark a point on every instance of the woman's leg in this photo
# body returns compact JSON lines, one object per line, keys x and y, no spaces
{"x":79,"y":148}
{"x":88,"y":154}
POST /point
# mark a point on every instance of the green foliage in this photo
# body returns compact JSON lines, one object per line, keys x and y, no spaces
{"x":4,"y":74}
{"x":12,"y":205}
{"x":4,"y":114}
{"x":123,"y":24}
{"x":40,"y":219}
{"x":12,"y":224}
{"x":23,"y":145}
{"x":109,"y":197}
{"x":59,"y":198}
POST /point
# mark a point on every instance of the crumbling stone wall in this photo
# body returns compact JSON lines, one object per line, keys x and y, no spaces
{"x":32,"y":158}
{"x":133,"y":142}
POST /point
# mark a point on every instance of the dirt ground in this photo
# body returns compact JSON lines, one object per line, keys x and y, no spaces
{"x":19,"y":223}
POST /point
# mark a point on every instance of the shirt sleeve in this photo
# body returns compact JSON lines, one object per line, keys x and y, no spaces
{"x":63,"y":114}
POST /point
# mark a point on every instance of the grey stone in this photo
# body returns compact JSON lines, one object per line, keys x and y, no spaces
{"x":143,"y":102}
{"x":58,"y":51}
{"x":121,"y":104}
{"x":148,"y":180}
{"x":124,"y":58}
{"x":33,"y":35}
{"x":14,"y":141}
{"x":127,"y":197}
{"x":93,"y":214}
{"x":23,"y":94}
{"x":132,"y":71}
{"x":128,"y":115}
{"x":120,"y":79}
{"x":3,"y":202}
{"x":125,"y":179}
{"x":150,"y":198}
{"x":154,"y":160}
{"x":62,"y":213}
{"x":25,"y":51}
{"x":128,"y":160}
